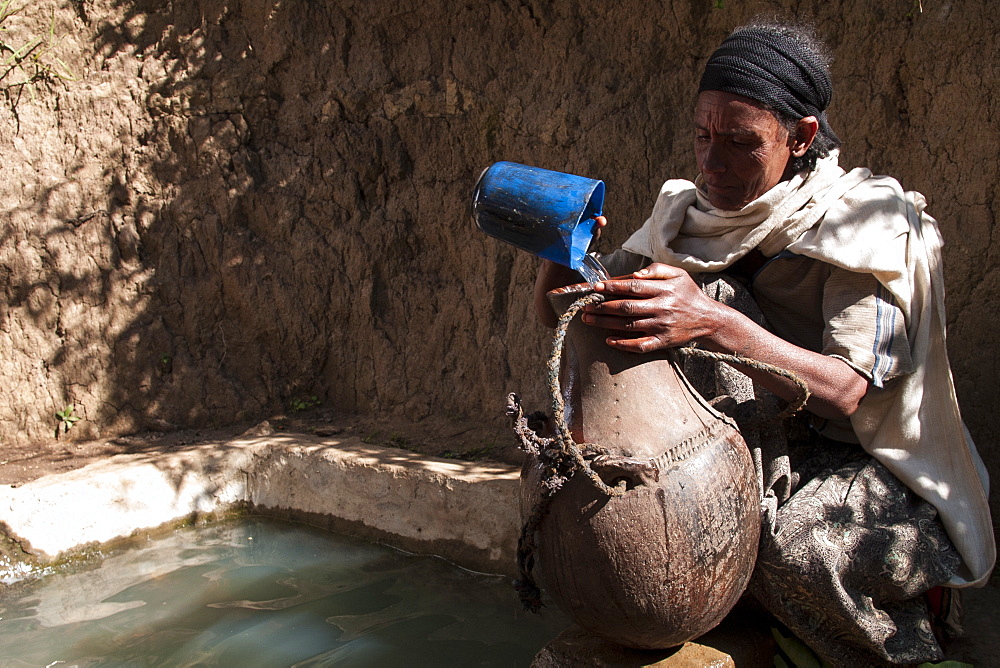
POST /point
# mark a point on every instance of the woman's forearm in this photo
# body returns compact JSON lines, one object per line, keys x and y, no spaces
{"x":836,"y":388}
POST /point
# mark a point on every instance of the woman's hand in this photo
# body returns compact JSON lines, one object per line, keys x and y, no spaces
{"x":659,"y":307}
{"x":602,"y":222}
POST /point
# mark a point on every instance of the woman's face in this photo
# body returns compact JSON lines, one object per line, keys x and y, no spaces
{"x":741,"y":148}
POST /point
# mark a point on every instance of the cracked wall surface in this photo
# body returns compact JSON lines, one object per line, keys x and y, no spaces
{"x":239,"y":203}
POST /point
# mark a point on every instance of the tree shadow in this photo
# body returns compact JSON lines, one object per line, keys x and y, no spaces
{"x":287,"y":214}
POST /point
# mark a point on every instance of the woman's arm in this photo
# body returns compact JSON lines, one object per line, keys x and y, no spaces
{"x":662,"y":307}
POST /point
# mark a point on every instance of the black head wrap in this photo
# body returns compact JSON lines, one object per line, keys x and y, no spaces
{"x":774,"y":69}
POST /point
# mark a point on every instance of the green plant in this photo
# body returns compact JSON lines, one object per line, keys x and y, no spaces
{"x":166,"y":364}
{"x":299,"y":404}
{"x":399,"y":441}
{"x":66,"y":419}
{"x":476,"y":453}
{"x":472,"y":454}
{"x":29,"y":63}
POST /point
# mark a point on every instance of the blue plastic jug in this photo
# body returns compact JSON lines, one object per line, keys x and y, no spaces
{"x":550,"y":214}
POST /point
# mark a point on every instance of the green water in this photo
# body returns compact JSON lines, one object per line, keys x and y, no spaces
{"x":264,"y":593}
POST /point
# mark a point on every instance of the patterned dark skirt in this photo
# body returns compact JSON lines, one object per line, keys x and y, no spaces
{"x":847,"y":560}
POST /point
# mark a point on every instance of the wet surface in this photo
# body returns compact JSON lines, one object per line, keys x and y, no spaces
{"x":259,"y":592}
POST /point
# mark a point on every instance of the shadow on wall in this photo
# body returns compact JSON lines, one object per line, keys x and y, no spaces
{"x":247,"y":255}
{"x":285,"y":208}
{"x":255,"y":216}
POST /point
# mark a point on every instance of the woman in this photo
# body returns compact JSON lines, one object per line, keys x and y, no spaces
{"x":884,"y":497}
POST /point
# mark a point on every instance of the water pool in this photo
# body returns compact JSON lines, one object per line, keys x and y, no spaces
{"x":257,"y":592}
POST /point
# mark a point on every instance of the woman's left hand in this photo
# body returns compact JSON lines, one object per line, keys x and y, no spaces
{"x":658,"y":307}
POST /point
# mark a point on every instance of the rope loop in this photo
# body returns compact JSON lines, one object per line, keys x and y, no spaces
{"x":789,"y":410}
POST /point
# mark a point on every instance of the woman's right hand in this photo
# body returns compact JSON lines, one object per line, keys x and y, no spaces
{"x":602,"y":222}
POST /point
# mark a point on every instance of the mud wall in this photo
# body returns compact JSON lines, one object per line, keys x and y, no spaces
{"x":240,"y":203}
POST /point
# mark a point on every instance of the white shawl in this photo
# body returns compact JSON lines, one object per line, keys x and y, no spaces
{"x":867,"y":224}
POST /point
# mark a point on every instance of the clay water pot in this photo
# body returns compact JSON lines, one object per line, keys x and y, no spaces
{"x":667,"y":560}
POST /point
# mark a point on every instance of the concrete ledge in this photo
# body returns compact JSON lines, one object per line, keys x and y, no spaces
{"x":463,"y":511}
{"x":114,"y":498}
